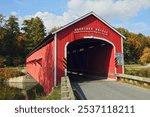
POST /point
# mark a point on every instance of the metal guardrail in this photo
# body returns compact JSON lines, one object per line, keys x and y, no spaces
{"x":66,"y":89}
{"x":135,"y":79}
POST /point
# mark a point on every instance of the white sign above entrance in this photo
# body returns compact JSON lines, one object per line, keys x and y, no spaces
{"x":91,"y":30}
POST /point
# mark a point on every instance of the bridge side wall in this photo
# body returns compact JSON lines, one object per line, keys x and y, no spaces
{"x":40,"y":65}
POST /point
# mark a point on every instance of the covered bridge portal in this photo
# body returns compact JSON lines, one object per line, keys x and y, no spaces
{"x":90,"y":56}
{"x":88,"y":45}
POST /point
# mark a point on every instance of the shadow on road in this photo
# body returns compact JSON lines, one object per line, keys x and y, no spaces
{"x":84,"y":78}
{"x":76,"y":79}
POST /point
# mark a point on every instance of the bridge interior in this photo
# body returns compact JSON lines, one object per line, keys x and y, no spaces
{"x":91,"y":57}
{"x":88,"y":58}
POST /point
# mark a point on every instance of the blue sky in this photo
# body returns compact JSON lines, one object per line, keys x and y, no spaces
{"x":29,"y":7}
{"x":131,"y":14}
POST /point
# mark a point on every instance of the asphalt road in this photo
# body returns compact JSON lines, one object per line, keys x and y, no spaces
{"x":109,"y":90}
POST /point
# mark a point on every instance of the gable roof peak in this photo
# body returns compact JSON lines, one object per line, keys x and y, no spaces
{"x":86,"y":15}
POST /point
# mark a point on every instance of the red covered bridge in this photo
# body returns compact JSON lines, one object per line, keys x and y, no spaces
{"x":88,"y":45}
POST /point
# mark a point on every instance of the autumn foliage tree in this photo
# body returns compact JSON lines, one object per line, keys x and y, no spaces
{"x":145,"y":58}
{"x":134,"y":45}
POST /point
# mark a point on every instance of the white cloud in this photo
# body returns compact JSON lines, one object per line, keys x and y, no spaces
{"x":137,"y":27}
{"x":107,"y":9}
{"x":13,"y":13}
{"x":49,"y":19}
{"x":140,"y":27}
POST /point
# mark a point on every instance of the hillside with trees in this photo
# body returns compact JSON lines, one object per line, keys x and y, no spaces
{"x":136,"y":47}
{"x":16,"y":42}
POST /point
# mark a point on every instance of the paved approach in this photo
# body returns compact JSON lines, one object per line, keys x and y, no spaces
{"x":109,"y":90}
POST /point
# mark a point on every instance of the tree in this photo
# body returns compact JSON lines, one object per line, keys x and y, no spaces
{"x":39,"y":30}
{"x":13,"y":43}
{"x":12,"y":32}
{"x":145,"y":58}
{"x":34,"y":31}
{"x":123,"y":31}
{"x":134,"y":45}
{"x":53,"y":30}
{"x":2,"y":20}
{"x":10,"y":42}
{"x":2,"y":32}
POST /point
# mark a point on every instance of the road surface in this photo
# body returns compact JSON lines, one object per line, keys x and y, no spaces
{"x":108,"y":90}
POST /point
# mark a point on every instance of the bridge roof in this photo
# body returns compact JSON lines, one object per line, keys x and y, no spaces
{"x":45,"y":41}
{"x":50,"y":37}
{"x":86,"y":15}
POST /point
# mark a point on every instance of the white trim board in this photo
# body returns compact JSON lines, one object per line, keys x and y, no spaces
{"x":65,"y":55}
{"x":55,"y":59}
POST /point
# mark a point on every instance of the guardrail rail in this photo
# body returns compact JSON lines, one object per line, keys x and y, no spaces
{"x":134,"y":79}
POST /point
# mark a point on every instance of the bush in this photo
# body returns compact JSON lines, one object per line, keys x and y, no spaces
{"x":18,"y":61}
{"x":9,"y":60}
{"x":2,"y":61}
{"x":145,"y":58}
{"x":9,"y":93}
{"x":9,"y":73}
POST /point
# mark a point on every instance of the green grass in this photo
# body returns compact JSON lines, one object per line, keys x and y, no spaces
{"x":9,"y":93}
{"x":54,"y":95}
{"x":136,"y":70}
{"x":132,"y":65}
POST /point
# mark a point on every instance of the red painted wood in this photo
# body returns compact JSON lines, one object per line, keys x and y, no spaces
{"x":69,"y":35}
{"x":44,"y":73}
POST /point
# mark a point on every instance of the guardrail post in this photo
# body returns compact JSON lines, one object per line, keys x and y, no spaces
{"x":134,"y":79}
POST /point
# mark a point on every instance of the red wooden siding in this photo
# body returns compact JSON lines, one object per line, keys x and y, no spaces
{"x":69,"y":35}
{"x":42,"y":69}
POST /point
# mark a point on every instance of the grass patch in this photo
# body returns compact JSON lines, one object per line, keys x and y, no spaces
{"x":132,"y":65}
{"x":54,"y":95}
{"x":9,"y":93}
{"x":137,"y":71}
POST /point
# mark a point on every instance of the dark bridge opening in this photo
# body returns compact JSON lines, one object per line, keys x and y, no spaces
{"x":91,"y":57}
